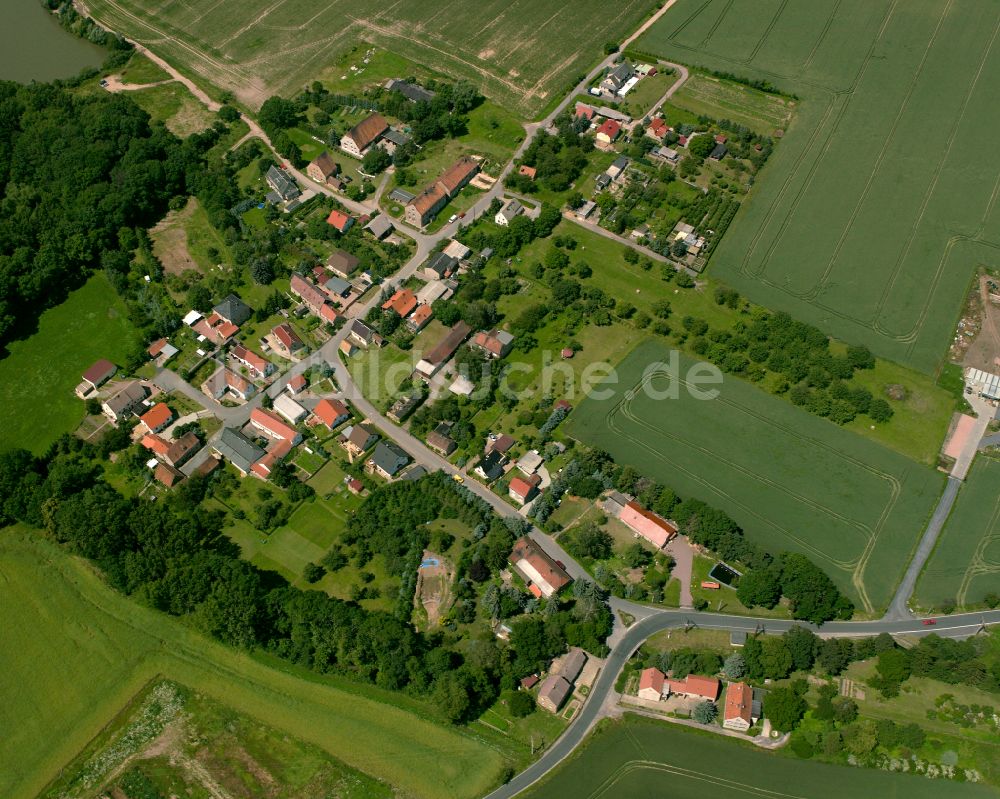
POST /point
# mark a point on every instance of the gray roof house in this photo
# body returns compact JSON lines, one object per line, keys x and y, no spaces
{"x":619,"y":76}
{"x":553,"y":693}
{"x":283,"y":186}
{"x":603,"y":180}
{"x":380,"y":227}
{"x":387,"y":459}
{"x":412,"y":92}
{"x":510,"y":210}
{"x":439,"y":265}
{"x":339,"y":286}
{"x":236,"y":448}
{"x":233,"y":309}
{"x":401,"y":195}
{"x":573,"y":664}
{"x":124,"y":402}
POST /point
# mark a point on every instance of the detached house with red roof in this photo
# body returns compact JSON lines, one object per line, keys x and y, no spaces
{"x":288,"y":340}
{"x":695,"y":686}
{"x":255,"y":364}
{"x":157,"y":418}
{"x":524,"y":489}
{"x":403,"y":302}
{"x":741,"y":711}
{"x":657,"y":129}
{"x":651,"y":683}
{"x":608,"y":132}
{"x":331,"y":412}
{"x":543,"y":575}
{"x":273,"y":426}
{"x":655,"y":529}
{"x":363,"y":135}
{"x":340,"y":221}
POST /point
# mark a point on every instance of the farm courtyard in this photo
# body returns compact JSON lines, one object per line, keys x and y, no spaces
{"x":791,"y":480}
{"x":866,"y":222}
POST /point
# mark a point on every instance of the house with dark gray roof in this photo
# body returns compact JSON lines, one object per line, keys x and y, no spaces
{"x":380,"y":227}
{"x":439,"y":266}
{"x":236,"y":448}
{"x":233,"y":310}
{"x":387,"y":459}
{"x":411,"y":91}
{"x":283,"y":186}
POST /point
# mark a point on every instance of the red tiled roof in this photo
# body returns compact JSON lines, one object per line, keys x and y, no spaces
{"x":697,"y":685}
{"x":287,"y":336}
{"x":256,"y":362}
{"x":272,"y":424}
{"x":155,"y":444}
{"x":527,"y":171}
{"x":156,"y":347}
{"x":368,"y":130}
{"x":584,"y":110}
{"x":654,"y":529}
{"x":100,"y":371}
{"x":298,"y":383}
{"x":458,"y":173}
{"x":651,"y":678}
{"x":658,"y":128}
{"x":402,"y":302}
{"x":339,"y":220}
{"x":329,"y":411}
{"x":531,"y":559}
{"x":427,"y":199}
{"x":168,"y":475}
{"x":157,"y":416}
{"x":421,"y":314}
{"x":611,"y":128}
{"x":739,"y":702}
{"x":356,"y":485}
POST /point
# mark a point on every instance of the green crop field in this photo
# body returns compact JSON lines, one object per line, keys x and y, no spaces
{"x":520,"y":54}
{"x":39,"y":374}
{"x":75,"y":653}
{"x":639,"y":758}
{"x":790,"y":479}
{"x":881,"y":200}
{"x":965,"y":564}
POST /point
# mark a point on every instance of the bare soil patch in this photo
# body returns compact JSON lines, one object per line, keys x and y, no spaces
{"x":433,"y":593}
{"x":170,"y":240}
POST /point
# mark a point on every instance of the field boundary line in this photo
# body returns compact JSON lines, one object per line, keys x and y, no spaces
{"x":978,"y":564}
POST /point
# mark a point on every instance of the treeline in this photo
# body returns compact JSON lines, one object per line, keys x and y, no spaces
{"x":75,"y":171}
{"x":171,"y":555}
{"x":84,"y":27}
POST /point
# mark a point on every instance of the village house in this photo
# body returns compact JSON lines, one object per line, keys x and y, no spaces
{"x":524,"y":489}
{"x":616,"y":79}
{"x":426,"y":205}
{"x":741,"y":710}
{"x":443,"y":351}
{"x":297,"y":384}
{"x":401,"y":409}
{"x":125,"y":401}
{"x":608,"y":132}
{"x":167,"y":475}
{"x":283,"y":187}
{"x":155,"y":444}
{"x":529,"y":463}
{"x":718,"y":152}
{"x":162,"y":351}
{"x":527,"y":171}
{"x":657,"y":129}
{"x":240,"y":451}
{"x":439,"y":439}
{"x":506,"y":214}
{"x":233,"y":310}
{"x":256,"y":365}
{"x":393,"y":139}
{"x":695,"y":686}
{"x":215,"y":329}
{"x":412,"y":92}
{"x":584,"y":111}
{"x":387,"y":460}
{"x":432,"y":291}
{"x":331,"y":412}
{"x":542,"y":574}
{"x":157,"y":418}
{"x":403,"y":303}
{"x":340,"y":221}
{"x":363,"y":135}
{"x":290,"y":409}
{"x":380,"y":226}
{"x":361,"y":438}
{"x":272,"y":426}
{"x":655,"y":529}
{"x":553,"y":692}
{"x":362,"y":335}
{"x":439,"y":265}
{"x":617,"y":168}
{"x":322,"y":168}
{"x":288,"y":340}
{"x":99,"y":374}
{"x":419,"y":318}
{"x":225,"y":381}
{"x":343,"y":263}
{"x":457,"y":250}
{"x":337,"y":288}
{"x":665,"y":155}
{"x":651,"y":683}
{"x":182,"y":449}
{"x":495,"y":344}
{"x":491,"y":466}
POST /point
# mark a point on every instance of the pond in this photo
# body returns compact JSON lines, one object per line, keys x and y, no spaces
{"x":723,"y":573}
{"x":34,"y":47}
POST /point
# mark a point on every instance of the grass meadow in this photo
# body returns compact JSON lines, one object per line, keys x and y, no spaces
{"x":519,"y":54}
{"x":965,"y":564}
{"x":790,"y":479}
{"x":869,"y":219}
{"x":39,"y":374}
{"x":75,"y":653}
{"x":638,"y":758}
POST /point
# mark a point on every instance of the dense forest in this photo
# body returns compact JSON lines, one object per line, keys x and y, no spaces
{"x":74,"y":171}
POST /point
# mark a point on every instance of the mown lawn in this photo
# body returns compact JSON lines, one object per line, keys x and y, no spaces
{"x":75,"y":652}
{"x":39,"y":374}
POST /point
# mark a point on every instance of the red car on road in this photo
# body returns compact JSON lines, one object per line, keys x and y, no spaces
{"x":928,"y":622}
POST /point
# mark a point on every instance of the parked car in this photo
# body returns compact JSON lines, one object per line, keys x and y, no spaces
{"x":929,"y":622}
